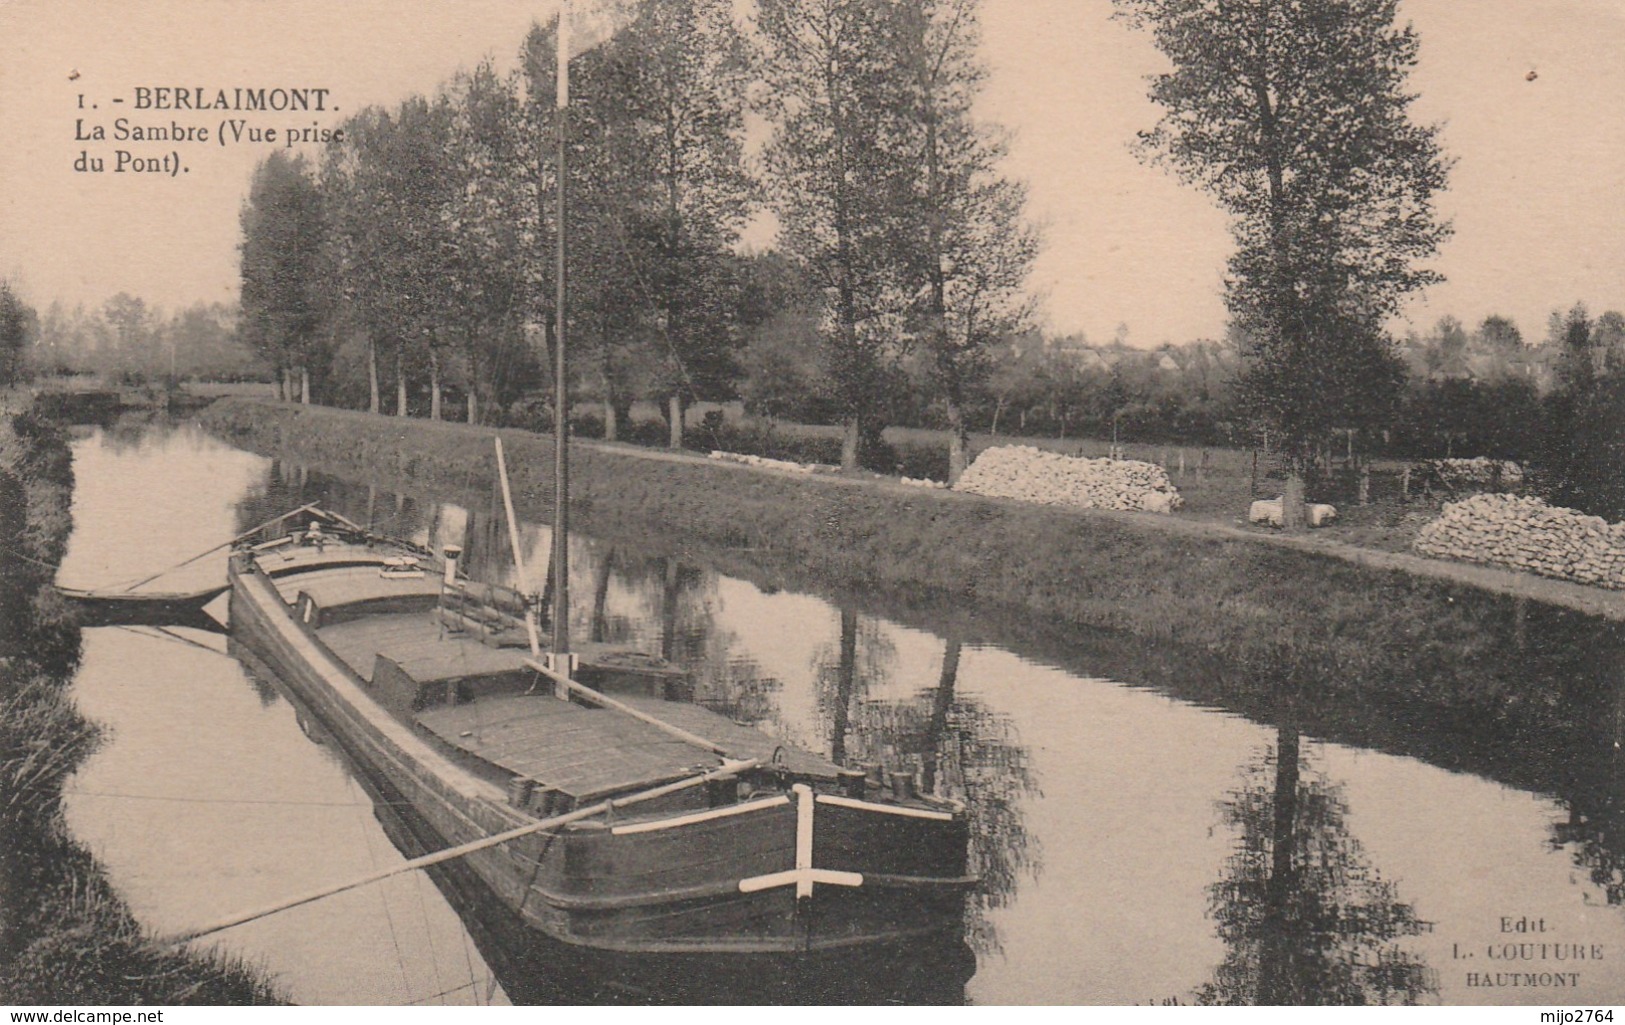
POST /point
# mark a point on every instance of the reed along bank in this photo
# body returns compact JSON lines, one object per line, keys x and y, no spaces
{"x":1271,"y":626}
{"x":66,"y":936}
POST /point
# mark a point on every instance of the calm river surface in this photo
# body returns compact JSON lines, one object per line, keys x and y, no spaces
{"x":1135,"y":847}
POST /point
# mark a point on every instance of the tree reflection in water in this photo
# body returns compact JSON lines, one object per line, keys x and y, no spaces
{"x":681,"y":602}
{"x":1306,"y":918}
{"x":959,"y":748}
{"x":1595,"y":829}
{"x":843,"y":678}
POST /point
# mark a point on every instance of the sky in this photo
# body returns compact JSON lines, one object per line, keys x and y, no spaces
{"x":1537,"y":195}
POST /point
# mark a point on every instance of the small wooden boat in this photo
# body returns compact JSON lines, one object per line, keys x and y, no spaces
{"x":144,"y":608}
{"x":746,"y":846}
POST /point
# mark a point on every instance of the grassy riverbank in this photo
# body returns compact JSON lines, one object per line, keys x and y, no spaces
{"x":1217,"y":484}
{"x":1277,"y":616}
{"x":65,"y":935}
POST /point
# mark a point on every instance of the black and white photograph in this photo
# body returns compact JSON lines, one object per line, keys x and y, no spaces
{"x":874,"y":503}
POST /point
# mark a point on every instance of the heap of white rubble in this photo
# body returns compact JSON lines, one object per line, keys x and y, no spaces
{"x":1527,"y":534}
{"x":1034,"y":475}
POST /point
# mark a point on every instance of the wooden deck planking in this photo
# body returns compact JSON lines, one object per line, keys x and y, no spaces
{"x":588,"y":751}
{"x":581,"y":751}
{"x":419,"y":645}
{"x":741,"y":741}
{"x":342,"y":585}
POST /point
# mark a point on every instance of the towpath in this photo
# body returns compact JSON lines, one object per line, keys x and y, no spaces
{"x":1592,"y":601}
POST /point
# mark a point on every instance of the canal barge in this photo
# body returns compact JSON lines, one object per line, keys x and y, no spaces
{"x":641,"y":822}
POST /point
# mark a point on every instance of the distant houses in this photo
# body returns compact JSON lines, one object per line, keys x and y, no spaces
{"x":1427,"y":360}
{"x":1167,"y":359}
{"x":1447,"y":353}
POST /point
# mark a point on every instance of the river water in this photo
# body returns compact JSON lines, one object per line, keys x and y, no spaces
{"x":1135,"y":845}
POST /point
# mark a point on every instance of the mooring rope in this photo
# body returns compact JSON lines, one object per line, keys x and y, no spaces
{"x":210,"y":551}
{"x":728,"y":768}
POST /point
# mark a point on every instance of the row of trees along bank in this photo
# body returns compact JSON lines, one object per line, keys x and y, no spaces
{"x":419,"y":246}
{"x":420,"y":243}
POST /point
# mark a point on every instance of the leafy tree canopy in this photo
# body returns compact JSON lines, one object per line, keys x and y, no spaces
{"x":1295,"y":117}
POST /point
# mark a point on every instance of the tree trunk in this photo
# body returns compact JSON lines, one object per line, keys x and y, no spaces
{"x":282,"y":384}
{"x":374,"y":401}
{"x":849,"y":384}
{"x":1275,"y":981}
{"x":675,"y":411}
{"x":849,"y":443}
{"x":958,"y":442}
{"x":304,"y":386}
{"x":846,"y":675}
{"x":400,"y":380}
{"x":998,"y":408}
{"x":600,"y":598}
{"x":668,"y":611}
{"x":434,"y":383}
{"x":471,"y":346}
{"x":942,"y":702}
{"x":612,"y":426}
{"x":1293,"y":514}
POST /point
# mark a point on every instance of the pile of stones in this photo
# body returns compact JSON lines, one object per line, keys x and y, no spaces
{"x":1033,"y":475}
{"x":1529,"y":535}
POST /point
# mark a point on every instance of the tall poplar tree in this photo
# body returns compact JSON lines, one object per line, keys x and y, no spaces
{"x":661,"y":179}
{"x":350,"y":184}
{"x":962,"y":248}
{"x":1294,"y":115}
{"x":283,"y":269}
{"x":488,"y":213}
{"x":833,"y":93}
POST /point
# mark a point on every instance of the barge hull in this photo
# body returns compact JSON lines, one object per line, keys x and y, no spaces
{"x":735,"y":879}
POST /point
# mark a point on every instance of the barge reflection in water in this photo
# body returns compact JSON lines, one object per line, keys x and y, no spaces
{"x":1130,"y":833}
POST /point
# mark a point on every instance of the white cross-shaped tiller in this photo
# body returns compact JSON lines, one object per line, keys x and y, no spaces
{"x":803,"y":875}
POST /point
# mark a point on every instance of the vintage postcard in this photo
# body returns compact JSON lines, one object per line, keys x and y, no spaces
{"x":1061,"y":502}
